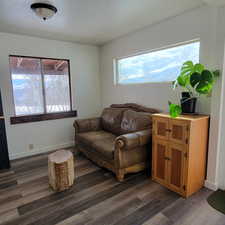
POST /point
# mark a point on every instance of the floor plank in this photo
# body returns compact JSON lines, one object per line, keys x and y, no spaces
{"x":158,"y":219}
{"x":9,"y":215}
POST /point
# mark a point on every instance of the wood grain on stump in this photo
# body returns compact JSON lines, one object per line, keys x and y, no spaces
{"x":61,"y":170}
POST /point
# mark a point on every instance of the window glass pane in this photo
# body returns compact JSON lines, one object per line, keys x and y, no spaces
{"x":27,"y":85}
{"x":56,"y":82}
{"x":159,"y":66}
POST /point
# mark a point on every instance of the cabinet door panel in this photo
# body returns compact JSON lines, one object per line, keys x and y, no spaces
{"x":161,"y":127}
{"x":160,"y":152}
{"x":176,"y":166}
{"x":178,"y":131}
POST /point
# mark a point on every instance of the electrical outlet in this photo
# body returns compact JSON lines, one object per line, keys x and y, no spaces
{"x":31,"y":146}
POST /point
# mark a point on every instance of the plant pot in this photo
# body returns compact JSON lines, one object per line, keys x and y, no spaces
{"x":185,"y":95}
{"x":188,"y":104}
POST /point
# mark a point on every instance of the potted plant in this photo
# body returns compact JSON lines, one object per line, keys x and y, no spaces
{"x":196,"y":81}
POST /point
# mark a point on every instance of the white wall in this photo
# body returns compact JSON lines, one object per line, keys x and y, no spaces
{"x":203,"y":23}
{"x":182,"y":28}
{"x":52,"y":134}
{"x":220,"y":49}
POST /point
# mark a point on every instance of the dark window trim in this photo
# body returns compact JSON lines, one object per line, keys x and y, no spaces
{"x":42,"y":117}
{"x":45,"y":116}
{"x":37,"y":57}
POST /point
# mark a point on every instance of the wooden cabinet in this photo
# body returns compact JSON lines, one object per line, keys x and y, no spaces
{"x":179,"y":152}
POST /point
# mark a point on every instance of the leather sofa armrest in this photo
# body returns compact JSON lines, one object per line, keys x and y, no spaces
{"x":86,"y":125}
{"x":133,"y":140}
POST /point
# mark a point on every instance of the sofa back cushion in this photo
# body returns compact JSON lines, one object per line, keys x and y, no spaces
{"x":111,"y":120}
{"x":135,"y":121}
{"x":135,"y":107}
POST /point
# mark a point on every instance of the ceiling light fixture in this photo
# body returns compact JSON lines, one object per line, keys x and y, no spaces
{"x":43,"y":10}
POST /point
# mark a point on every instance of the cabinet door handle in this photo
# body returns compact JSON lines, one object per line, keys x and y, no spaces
{"x":166,"y":158}
{"x":168,"y":130}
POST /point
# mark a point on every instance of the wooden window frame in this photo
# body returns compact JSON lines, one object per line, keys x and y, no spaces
{"x":44,"y":116}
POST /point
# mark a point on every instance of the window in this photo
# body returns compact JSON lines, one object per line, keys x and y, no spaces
{"x":157,"y":66}
{"x":40,"y":86}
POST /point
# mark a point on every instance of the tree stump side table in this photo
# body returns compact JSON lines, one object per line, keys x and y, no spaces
{"x":61,"y":170}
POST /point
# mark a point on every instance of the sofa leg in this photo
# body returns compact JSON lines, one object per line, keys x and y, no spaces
{"x":120,"y":176}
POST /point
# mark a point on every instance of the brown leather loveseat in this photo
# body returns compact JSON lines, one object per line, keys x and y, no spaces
{"x":118,"y":139}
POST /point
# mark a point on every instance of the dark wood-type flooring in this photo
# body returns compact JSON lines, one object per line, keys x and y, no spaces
{"x":95,"y":199}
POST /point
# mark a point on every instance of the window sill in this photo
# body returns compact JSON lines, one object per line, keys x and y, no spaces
{"x":42,"y":117}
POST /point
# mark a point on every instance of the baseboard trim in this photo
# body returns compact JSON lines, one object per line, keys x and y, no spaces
{"x":39,"y":151}
{"x":210,"y":185}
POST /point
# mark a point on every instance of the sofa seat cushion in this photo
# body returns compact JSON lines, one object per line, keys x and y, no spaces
{"x":133,"y":121}
{"x":105,"y":147}
{"x":100,"y":141}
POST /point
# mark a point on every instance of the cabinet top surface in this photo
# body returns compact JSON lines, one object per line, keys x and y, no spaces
{"x":182,"y":117}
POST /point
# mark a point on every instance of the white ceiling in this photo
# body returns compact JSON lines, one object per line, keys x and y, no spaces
{"x":89,"y":21}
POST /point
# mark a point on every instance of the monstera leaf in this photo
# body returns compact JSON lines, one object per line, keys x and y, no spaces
{"x":184,"y":77}
{"x":187,"y":70}
{"x":175,"y":110}
{"x":182,"y":80}
{"x":202,"y":82}
{"x":189,"y":67}
{"x":198,"y":68}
